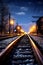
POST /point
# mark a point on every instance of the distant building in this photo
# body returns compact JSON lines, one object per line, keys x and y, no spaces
{"x":39,"y":24}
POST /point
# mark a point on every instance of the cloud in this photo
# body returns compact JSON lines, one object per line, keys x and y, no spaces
{"x":24,"y":8}
{"x":20,"y":13}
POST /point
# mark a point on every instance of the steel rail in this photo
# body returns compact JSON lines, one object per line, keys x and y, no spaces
{"x":8,"y":49}
{"x":37,"y":53}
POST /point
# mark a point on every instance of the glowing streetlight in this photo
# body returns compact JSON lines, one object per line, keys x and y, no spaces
{"x":11,"y":22}
{"x":18,"y":27}
{"x":32,"y":29}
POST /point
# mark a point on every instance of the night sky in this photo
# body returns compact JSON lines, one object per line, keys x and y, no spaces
{"x":23,"y":10}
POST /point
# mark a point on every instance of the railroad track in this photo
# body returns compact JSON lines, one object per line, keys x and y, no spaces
{"x":22,"y":52}
{"x":5,"y":42}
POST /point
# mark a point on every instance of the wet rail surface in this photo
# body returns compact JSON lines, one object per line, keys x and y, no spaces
{"x":22,"y":54}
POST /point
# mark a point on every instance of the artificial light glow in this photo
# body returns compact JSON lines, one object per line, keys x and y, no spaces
{"x":11,"y":22}
{"x":18,"y":27}
{"x":22,"y":30}
{"x":25,"y":32}
{"x":32,"y":29}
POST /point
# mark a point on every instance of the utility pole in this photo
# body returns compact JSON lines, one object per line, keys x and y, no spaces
{"x":13,"y":26}
{"x":9,"y":23}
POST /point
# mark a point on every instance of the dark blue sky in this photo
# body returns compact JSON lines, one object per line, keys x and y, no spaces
{"x":23,"y":10}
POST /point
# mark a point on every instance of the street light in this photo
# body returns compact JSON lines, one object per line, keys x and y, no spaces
{"x":12,"y":24}
{"x":18,"y":27}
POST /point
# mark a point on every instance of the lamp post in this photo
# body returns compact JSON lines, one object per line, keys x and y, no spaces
{"x":9,"y":22}
{"x":12,"y":24}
